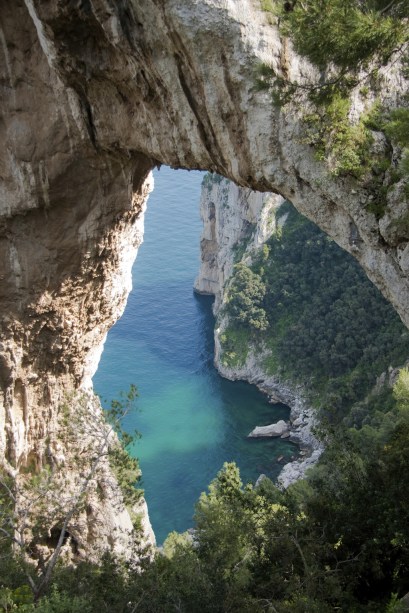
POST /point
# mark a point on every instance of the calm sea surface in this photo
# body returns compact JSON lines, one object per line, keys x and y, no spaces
{"x":191,"y":419}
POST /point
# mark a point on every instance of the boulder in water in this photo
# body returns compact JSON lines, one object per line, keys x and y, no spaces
{"x":277,"y":429}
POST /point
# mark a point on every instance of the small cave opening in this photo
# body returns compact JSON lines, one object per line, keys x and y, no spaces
{"x":51,"y":541}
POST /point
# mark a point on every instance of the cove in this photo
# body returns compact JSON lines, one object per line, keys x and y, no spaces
{"x":191,"y":419}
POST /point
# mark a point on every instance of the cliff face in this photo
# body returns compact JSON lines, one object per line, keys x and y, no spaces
{"x":236,"y":224}
{"x":71,"y":222}
{"x":93,"y":95}
{"x":234,"y":220}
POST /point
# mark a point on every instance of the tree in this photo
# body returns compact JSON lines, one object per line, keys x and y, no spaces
{"x":347,"y":40}
{"x":352,"y":32}
{"x":39,"y":509}
{"x":245,"y":298}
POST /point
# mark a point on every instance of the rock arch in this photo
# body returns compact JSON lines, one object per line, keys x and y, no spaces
{"x":94,"y":94}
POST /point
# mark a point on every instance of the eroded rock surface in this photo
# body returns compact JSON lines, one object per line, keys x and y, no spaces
{"x":235,"y":220}
{"x":93,"y":95}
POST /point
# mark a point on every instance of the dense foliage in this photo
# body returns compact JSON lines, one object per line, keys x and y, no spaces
{"x":247,"y":293}
{"x":338,"y":541}
{"x":352,"y":32}
{"x":349,"y":42}
{"x":328,"y":326}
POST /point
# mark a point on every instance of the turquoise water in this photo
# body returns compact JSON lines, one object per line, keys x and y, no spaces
{"x":191,"y":419}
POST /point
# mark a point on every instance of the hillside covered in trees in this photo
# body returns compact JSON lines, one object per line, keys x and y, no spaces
{"x":337,"y":541}
{"x":308,"y":306}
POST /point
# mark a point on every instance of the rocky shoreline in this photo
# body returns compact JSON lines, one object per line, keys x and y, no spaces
{"x":300,"y":427}
{"x":228,"y":238}
{"x":297,"y":431}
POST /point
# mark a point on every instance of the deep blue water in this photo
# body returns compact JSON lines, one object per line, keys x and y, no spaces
{"x":191,"y":419}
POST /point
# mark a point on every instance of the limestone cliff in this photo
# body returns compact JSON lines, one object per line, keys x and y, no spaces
{"x":236,"y":224}
{"x":93,"y":95}
{"x":235,"y":220}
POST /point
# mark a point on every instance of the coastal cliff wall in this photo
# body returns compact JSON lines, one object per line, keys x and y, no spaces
{"x":295,"y":315}
{"x":237,"y":222}
{"x":94,"y":95}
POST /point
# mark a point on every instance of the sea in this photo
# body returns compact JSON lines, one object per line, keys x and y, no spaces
{"x":191,"y":420}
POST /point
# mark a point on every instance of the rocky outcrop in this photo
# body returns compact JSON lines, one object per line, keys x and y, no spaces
{"x":302,"y":416}
{"x":71,"y":219}
{"x":71,"y":222}
{"x":280,"y":428}
{"x":235,"y":221}
{"x":93,"y":95}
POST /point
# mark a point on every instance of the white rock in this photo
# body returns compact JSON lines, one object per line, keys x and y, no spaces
{"x":260,"y":479}
{"x":296,"y":470}
{"x":277,"y":429}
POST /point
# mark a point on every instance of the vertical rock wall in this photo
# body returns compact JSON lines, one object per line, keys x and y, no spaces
{"x":235,"y":221}
{"x":71,"y":220}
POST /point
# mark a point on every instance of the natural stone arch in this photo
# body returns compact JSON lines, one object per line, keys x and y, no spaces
{"x":94,"y":95}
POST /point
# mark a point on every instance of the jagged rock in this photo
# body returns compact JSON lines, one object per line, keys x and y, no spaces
{"x":277,"y":429}
{"x":93,"y":96}
{"x":293,"y":471}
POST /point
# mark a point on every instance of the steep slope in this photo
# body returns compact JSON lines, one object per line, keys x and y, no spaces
{"x":237,"y":222}
{"x":94,"y":94}
{"x":234,"y":220}
{"x":295,"y":314}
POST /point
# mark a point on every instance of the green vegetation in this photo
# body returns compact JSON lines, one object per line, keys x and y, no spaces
{"x":239,"y":249}
{"x":235,"y":343}
{"x":337,"y":541}
{"x":353,"y":33}
{"x":125,"y":467}
{"x":246,"y":297}
{"x":325,"y":324}
{"x":345,"y":146}
{"x":397,"y":128}
{"x":41,"y":506}
{"x":348,"y":41}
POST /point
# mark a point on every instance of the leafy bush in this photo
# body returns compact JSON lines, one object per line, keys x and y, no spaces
{"x":348,"y":41}
{"x":351,"y":32}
